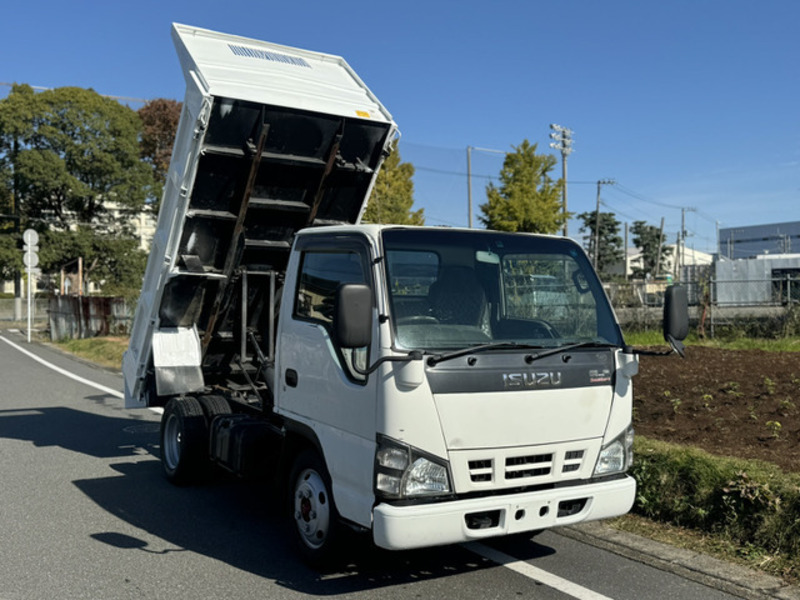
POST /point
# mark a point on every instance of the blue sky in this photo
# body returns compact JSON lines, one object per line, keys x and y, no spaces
{"x":690,"y":104}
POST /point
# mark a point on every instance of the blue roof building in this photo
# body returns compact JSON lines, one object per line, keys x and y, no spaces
{"x":757,"y":240}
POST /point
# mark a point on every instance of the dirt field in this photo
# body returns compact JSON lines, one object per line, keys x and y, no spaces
{"x":743,"y":403}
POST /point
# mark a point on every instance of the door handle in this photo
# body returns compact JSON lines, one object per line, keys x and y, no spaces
{"x":291,"y":378}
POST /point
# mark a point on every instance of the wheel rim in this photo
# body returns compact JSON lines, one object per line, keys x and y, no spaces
{"x":312,"y":509}
{"x":172,"y":442}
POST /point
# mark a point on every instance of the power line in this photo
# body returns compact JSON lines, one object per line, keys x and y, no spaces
{"x":442,"y":221}
{"x":627,"y":216}
{"x":446,"y":172}
{"x":638,"y":196}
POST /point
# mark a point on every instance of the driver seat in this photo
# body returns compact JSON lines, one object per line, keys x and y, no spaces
{"x":457,"y":297}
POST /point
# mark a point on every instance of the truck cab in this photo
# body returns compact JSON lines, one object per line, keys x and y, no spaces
{"x":474,"y":407}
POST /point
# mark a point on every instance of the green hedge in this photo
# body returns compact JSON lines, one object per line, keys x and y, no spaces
{"x":750,"y":503}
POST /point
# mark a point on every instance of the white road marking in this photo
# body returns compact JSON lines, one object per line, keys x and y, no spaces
{"x":102,"y":388}
{"x":526,"y":569}
{"x":111,"y":392}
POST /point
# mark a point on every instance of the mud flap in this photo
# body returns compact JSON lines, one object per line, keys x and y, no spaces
{"x":176,"y":359}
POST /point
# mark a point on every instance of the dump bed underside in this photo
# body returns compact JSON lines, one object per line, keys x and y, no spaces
{"x":263,"y":173}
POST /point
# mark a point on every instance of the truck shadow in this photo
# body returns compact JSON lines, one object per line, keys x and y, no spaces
{"x":237,"y":522}
{"x":84,"y":432}
{"x":241,"y":523}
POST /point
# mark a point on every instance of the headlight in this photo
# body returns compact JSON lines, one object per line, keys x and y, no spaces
{"x":404,"y":472}
{"x":617,"y":456}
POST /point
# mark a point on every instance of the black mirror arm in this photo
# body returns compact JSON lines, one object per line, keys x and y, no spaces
{"x":413,"y":355}
{"x":676,"y":346}
{"x":641,"y":352}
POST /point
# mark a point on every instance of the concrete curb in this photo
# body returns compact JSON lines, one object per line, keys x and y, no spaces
{"x":732,"y":579}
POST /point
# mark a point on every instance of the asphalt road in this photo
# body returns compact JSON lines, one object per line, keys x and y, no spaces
{"x":86,"y":513}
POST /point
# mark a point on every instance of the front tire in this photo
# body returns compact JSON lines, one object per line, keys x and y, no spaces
{"x":183,"y":441}
{"x":315,"y":520}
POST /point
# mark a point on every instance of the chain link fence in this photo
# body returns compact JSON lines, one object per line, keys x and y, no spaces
{"x":742,"y":293}
{"x":754,"y":307}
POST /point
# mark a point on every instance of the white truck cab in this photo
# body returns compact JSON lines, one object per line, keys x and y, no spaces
{"x":482,"y":413}
{"x":427,"y":385}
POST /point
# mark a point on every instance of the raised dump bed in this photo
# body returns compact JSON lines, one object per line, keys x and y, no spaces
{"x":271,"y":140}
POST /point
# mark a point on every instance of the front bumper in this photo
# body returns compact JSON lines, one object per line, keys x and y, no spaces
{"x":421,"y":525}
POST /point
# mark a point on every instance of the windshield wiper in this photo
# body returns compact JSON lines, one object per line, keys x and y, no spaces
{"x":550,"y":351}
{"x":437,"y":358}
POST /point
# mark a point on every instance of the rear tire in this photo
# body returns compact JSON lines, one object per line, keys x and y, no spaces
{"x":315,"y":520}
{"x":213,"y":405}
{"x":184,"y":434}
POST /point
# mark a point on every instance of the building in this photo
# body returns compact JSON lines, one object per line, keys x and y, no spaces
{"x":142,"y":222}
{"x":757,"y":240}
{"x":766,"y":279}
{"x":691,"y":257}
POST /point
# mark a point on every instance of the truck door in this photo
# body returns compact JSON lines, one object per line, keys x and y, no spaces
{"x":318,"y":386}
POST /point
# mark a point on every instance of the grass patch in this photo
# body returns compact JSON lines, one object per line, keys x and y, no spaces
{"x":104,"y":351}
{"x":650,"y":337}
{"x":788,"y":344}
{"x":656,"y":338}
{"x":746,"y":508}
{"x":785,"y":567}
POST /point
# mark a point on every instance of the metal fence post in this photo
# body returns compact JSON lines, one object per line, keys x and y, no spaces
{"x":712,"y":291}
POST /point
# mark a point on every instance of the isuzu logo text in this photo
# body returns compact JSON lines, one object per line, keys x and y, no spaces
{"x":531,"y":380}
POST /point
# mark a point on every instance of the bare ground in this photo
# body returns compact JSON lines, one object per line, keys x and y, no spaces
{"x":743,"y":403}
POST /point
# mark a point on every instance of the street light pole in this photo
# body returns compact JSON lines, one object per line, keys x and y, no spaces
{"x":562,"y":141}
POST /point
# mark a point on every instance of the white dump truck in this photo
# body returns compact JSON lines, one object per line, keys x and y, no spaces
{"x":415,"y":383}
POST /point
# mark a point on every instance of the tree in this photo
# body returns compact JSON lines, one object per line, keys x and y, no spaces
{"x":10,"y":256}
{"x":114,"y":262}
{"x":393,"y":195}
{"x":160,"y":119}
{"x":7,"y":217}
{"x":650,"y":241}
{"x":528,"y":199}
{"x":67,"y":152}
{"x":610,"y":251}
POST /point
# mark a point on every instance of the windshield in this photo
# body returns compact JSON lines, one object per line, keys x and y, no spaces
{"x":454,"y":289}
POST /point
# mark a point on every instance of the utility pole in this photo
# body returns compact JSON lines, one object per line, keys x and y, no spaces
{"x":562,"y":141}
{"x":597,"y":221}
{"x":682,"y":242}
{"x":625,"y":254}
{"x":660,"y":245}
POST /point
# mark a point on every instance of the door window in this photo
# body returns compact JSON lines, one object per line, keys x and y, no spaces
{"x":321,"y":273}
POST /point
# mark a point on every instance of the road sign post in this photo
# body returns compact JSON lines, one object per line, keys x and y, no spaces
{"x":31,"y":260}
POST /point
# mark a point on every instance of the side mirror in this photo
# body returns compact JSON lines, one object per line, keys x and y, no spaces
{"x":676,"y":317}
{"x":352,"y":315}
